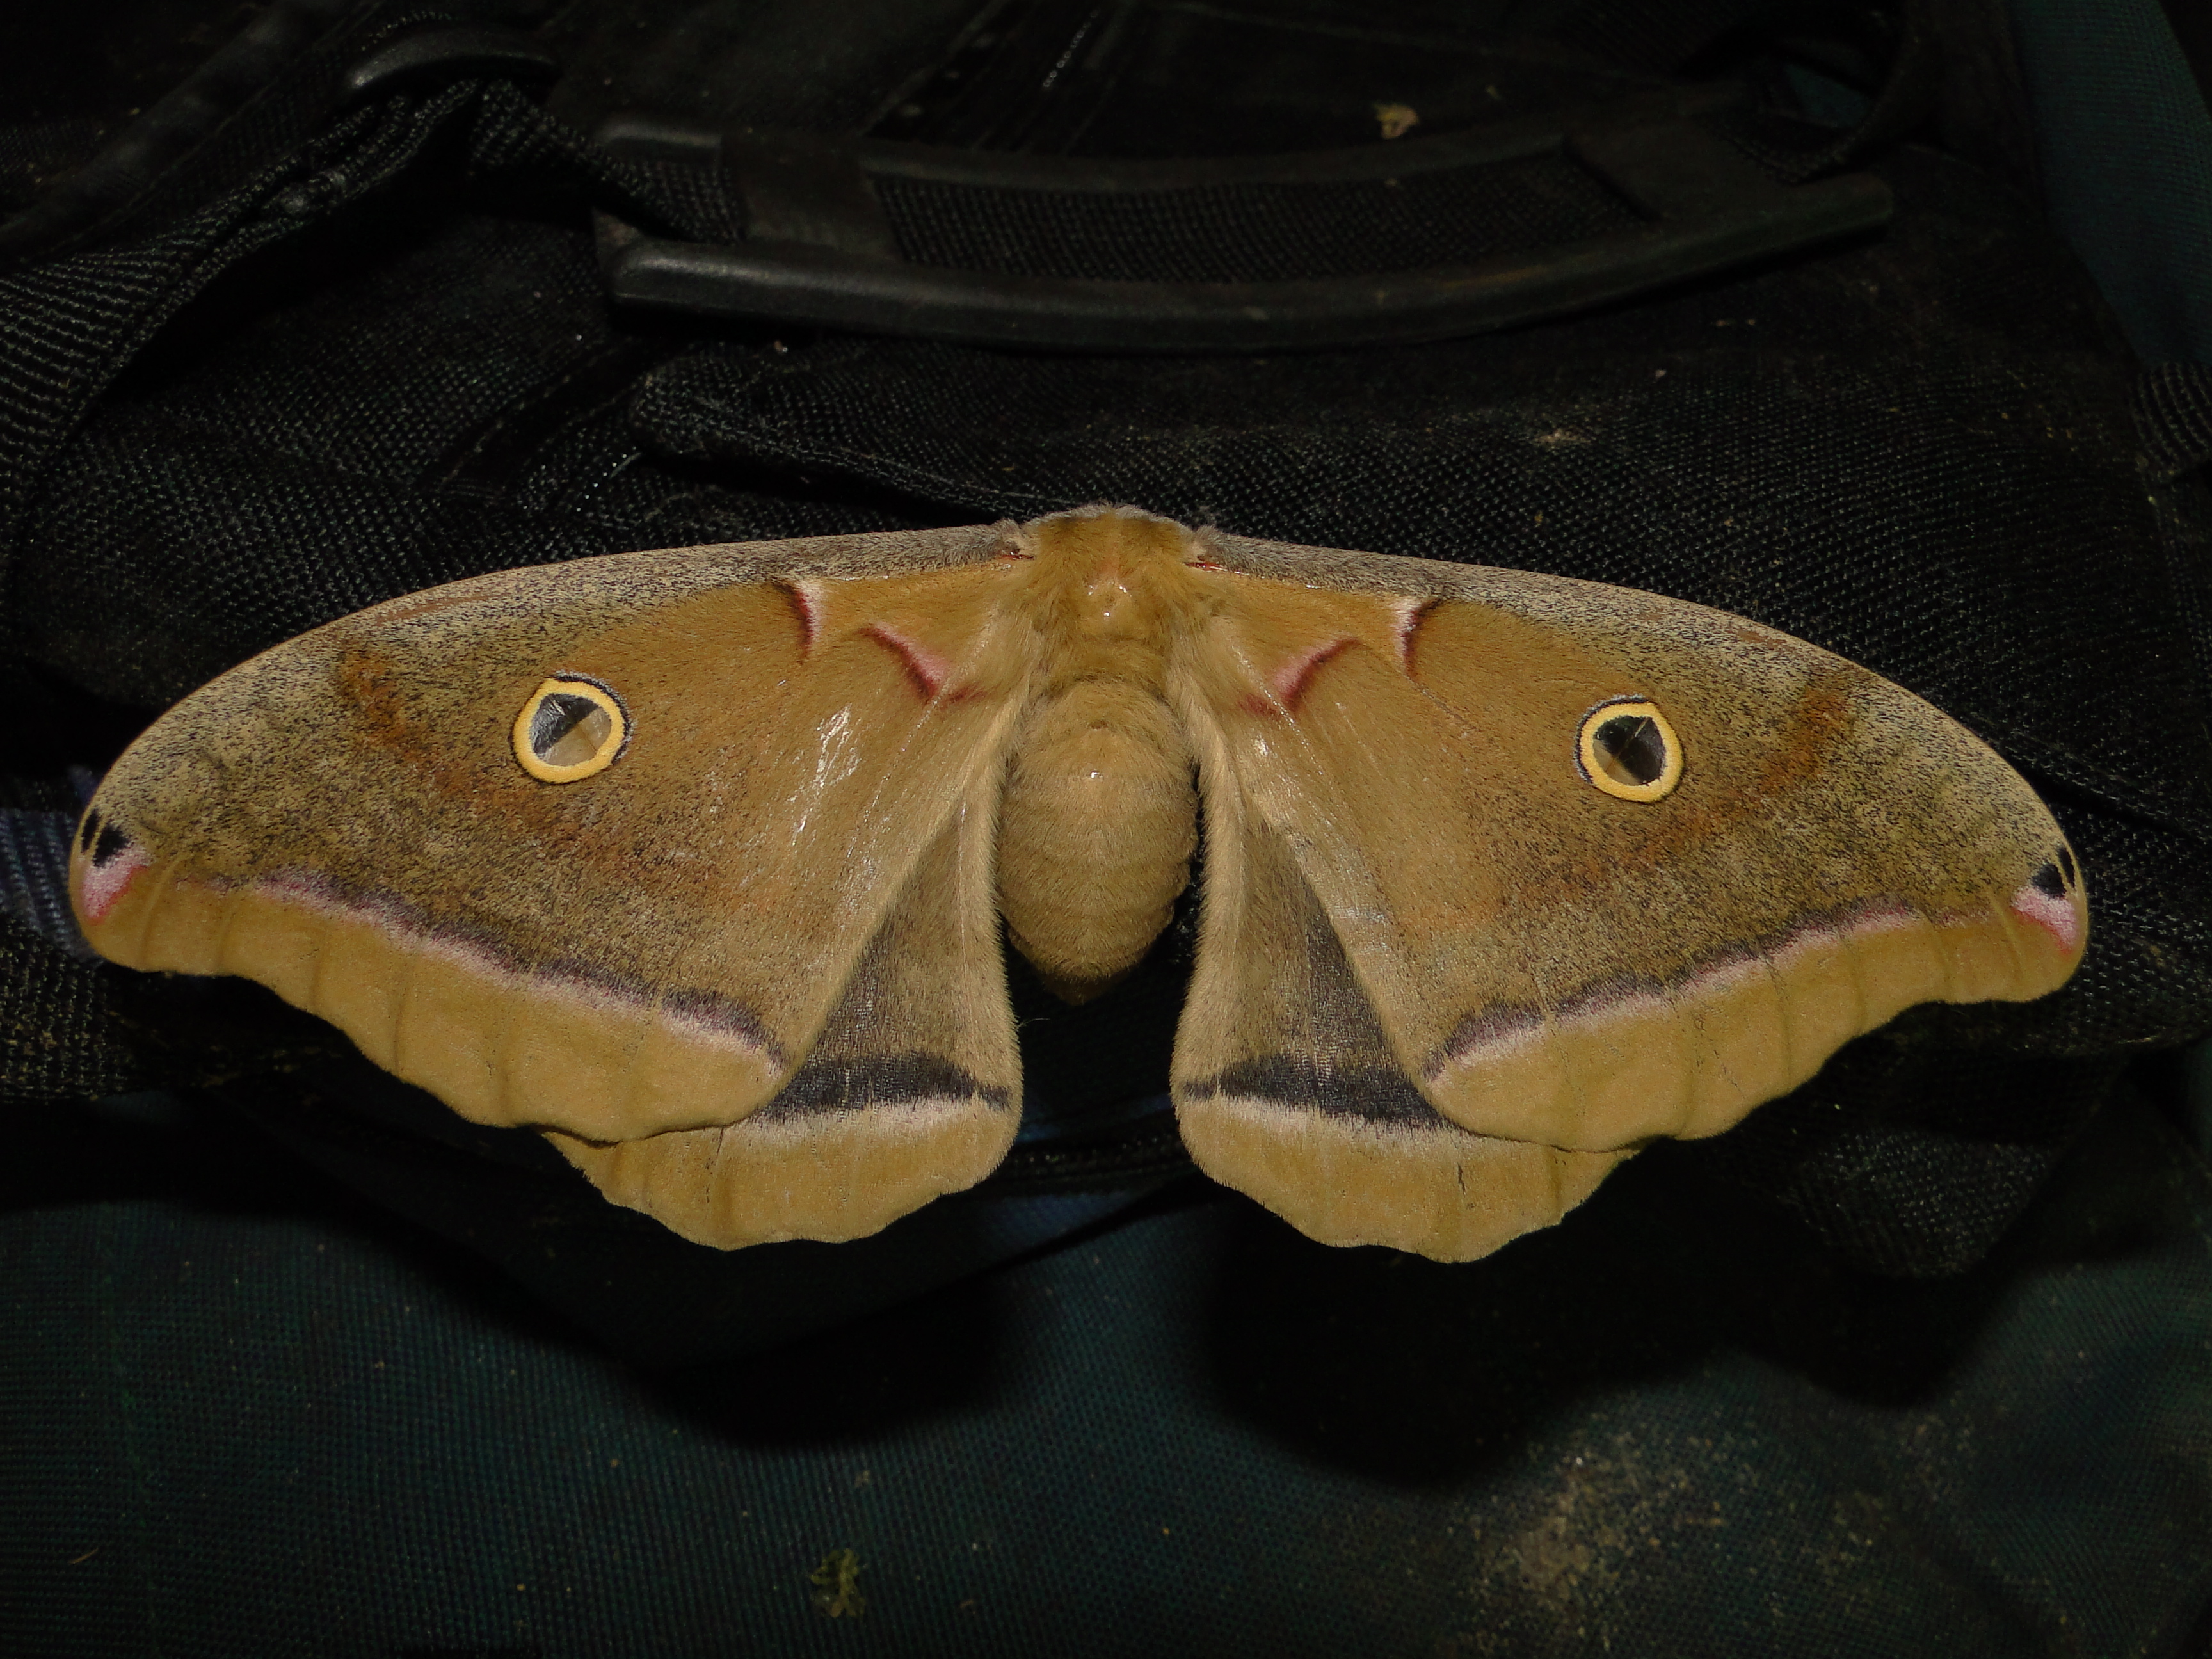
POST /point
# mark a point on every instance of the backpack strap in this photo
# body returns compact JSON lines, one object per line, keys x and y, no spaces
{"x":431,"y":94}
{"x":1081,"y":254}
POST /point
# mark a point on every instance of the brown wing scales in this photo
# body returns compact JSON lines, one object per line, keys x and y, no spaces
{"x":1560,"y":966}
{"x":912,"y":1091}
{"x":344,"y":818}
{"x":1287,"y":1089}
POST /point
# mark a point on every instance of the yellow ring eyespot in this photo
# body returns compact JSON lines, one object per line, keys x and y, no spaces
{"x":1629,"y":752}
{"x":570,"y":728}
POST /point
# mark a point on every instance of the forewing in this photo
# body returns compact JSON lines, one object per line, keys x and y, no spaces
{"x":655,"y":947}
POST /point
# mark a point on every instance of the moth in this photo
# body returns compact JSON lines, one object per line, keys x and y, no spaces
{"x":699,"y":860}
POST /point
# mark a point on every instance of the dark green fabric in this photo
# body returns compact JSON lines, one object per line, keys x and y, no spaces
{"x":2126,"y":155}
{"x":249,"y":1416}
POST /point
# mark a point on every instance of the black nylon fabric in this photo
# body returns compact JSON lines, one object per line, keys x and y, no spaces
{"x":58,"y":1040}
{"x":72,"y":323}
{"x":2173,"y":408}
{"x":1252,"y":233}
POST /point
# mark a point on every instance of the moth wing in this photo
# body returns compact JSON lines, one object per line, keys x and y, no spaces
{"x":910,"y":1092}
{"x":1287,"y":1088}
{"x":664,"y":946}
{"x":1550,"y":962}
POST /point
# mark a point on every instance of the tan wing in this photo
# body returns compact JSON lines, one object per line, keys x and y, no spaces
{"x":911,"y":1090}
{"x":1551,"y":962}
{"x":655,"y":947}
{"x":1287,"y":1089}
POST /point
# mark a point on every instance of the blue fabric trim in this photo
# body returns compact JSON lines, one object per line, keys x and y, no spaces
{"x":34,"y":854}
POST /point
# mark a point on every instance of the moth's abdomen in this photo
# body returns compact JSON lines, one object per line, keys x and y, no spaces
{"x":1095,"y":831}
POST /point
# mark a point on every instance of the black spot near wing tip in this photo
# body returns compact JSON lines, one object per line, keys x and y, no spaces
{"x":2054,"y":880}
{"x":103,"y":842}
{"x":86,"y":832}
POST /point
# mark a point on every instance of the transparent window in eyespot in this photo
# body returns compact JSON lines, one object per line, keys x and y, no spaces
{"x":569,"y":730}
{"x":1632,"y":749}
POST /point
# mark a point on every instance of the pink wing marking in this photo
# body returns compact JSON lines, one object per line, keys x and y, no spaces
{"x":928,"y":669}
{"x":1410,"y":611}
{"x":2055,"y":915}
{"x":104,"y":884}
{"x":805,"y":604}
{"x":1288,"y":682}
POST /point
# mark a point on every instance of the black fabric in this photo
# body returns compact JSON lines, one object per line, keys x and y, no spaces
{"x":2173,"y":409}
{"x":73,"y":76}
{"x":75,"y":322}
{"x":1253,"y":233}
{"x":58,"y":1036}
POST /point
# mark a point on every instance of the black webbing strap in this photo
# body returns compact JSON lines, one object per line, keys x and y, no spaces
{"x":68,"y":326}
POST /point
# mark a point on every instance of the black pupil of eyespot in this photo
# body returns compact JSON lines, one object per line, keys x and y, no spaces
{"x":568,"y":729}
{"x":1632,"y":748}
{"x":2049,"y":882}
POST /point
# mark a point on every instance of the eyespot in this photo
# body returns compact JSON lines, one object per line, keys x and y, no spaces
{"x":570,"y":728}
{"x":1628,"y":751}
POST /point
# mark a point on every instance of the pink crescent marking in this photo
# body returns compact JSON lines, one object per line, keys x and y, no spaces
{"x":1410,"y":612}
{"x":2056,"y":916}
{"x":1289,"y":681}
{"x":104,"y":884}
{"x":805,"y":604}
{"x":928,"y":669}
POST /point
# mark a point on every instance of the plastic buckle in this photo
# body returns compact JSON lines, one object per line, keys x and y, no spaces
{"x":819,"y":251}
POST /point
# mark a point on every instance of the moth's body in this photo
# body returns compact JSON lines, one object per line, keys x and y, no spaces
{"x":695,"y":860}
{"x":1100,"y":813}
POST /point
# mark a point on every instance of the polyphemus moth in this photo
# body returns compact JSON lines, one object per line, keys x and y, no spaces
{"x":695,"y":860}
